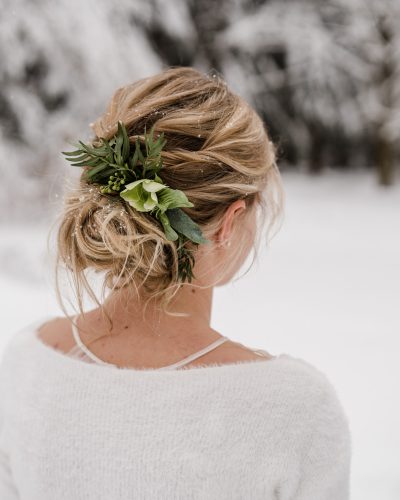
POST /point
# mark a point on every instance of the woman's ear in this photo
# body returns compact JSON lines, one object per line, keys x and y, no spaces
{"x":233,"y":210}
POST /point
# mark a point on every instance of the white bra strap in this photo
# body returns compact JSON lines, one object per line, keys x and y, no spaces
{"x":261,"y":352}
{"x":196,"y":355}
{"x":82,"y":346}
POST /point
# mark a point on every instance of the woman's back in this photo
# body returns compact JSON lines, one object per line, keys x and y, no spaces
{"x":263,"y":429}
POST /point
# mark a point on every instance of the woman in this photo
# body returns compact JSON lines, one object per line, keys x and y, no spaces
{"x":140,"y":397}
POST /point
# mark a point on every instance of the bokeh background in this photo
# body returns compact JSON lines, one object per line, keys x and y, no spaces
{"x":325,"y":77}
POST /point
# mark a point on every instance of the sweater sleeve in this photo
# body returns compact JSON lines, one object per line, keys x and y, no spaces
{"x":325,"y":469}
{"x":7,"y":489}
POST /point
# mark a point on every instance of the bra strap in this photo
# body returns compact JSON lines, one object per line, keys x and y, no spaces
{"x":82,"y":346}
{"x":195,"y":355}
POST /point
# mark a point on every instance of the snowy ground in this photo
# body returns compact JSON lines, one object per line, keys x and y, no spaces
{"x":327,"y":290}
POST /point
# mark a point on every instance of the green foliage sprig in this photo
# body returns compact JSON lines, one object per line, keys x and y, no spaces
{"x":131,"y":171}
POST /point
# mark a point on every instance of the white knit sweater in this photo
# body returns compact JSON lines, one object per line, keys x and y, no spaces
{"x":250,"y":430}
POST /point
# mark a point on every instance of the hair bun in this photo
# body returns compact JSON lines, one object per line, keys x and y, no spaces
{"x":217,"y":151}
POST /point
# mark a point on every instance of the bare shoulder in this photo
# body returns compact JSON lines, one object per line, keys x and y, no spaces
{"x":57,"y":334}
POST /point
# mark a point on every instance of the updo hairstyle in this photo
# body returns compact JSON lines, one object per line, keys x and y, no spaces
{"x":217,"y":151}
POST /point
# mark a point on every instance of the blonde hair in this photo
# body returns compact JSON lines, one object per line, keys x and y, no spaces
{"x":217,"y":151}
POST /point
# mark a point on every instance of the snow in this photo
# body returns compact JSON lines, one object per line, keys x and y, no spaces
{"x":71,"y":52}
{"x":341,"y":67}
{"x":326,"y":290}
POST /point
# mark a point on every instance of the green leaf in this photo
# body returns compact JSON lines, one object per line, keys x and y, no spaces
{"x":135,"y":195}
{"x":93,"y":151}
{"x":170,"y":234}
{"x":132,"y":185}
{"x":141,"y":157}
{"x":89,"y":163}
{"x":118,"y":145}
{"x":150,"y":139}
{"x":78,"y":152}
{"x":125,"y":142}
{"x":134,"y":160}
{"x":95,"y":170}
{"x":180,"y":221}
{"x":152,"y":186}
{"x":80,"y":157}
{"x":172,"y":198}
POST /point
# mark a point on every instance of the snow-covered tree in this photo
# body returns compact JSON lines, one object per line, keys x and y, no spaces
{"x":59,"y":64}
{"x":375,"y":35}
{"x":301,"y":73}
{"x":322,"y":71}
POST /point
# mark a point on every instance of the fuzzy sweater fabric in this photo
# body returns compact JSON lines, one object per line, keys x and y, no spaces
{"x":250,"y":430}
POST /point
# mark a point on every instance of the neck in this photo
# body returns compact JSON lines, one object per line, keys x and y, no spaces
{"x":196,"y":303}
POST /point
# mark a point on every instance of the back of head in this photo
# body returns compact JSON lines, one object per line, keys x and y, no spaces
{"x":217,"y":151}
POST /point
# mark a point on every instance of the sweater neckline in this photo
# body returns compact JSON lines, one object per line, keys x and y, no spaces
{"x":58,"y":357}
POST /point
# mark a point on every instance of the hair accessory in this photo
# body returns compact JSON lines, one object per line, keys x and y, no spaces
{"x":132,"y":172}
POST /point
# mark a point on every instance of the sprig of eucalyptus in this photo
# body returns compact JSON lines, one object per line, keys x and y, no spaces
{"x":132,"y":172}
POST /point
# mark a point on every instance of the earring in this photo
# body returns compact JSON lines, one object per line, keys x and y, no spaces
{"x":227,"y":243}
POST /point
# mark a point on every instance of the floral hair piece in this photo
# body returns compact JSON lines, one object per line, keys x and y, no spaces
{"x":132,"y":172}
